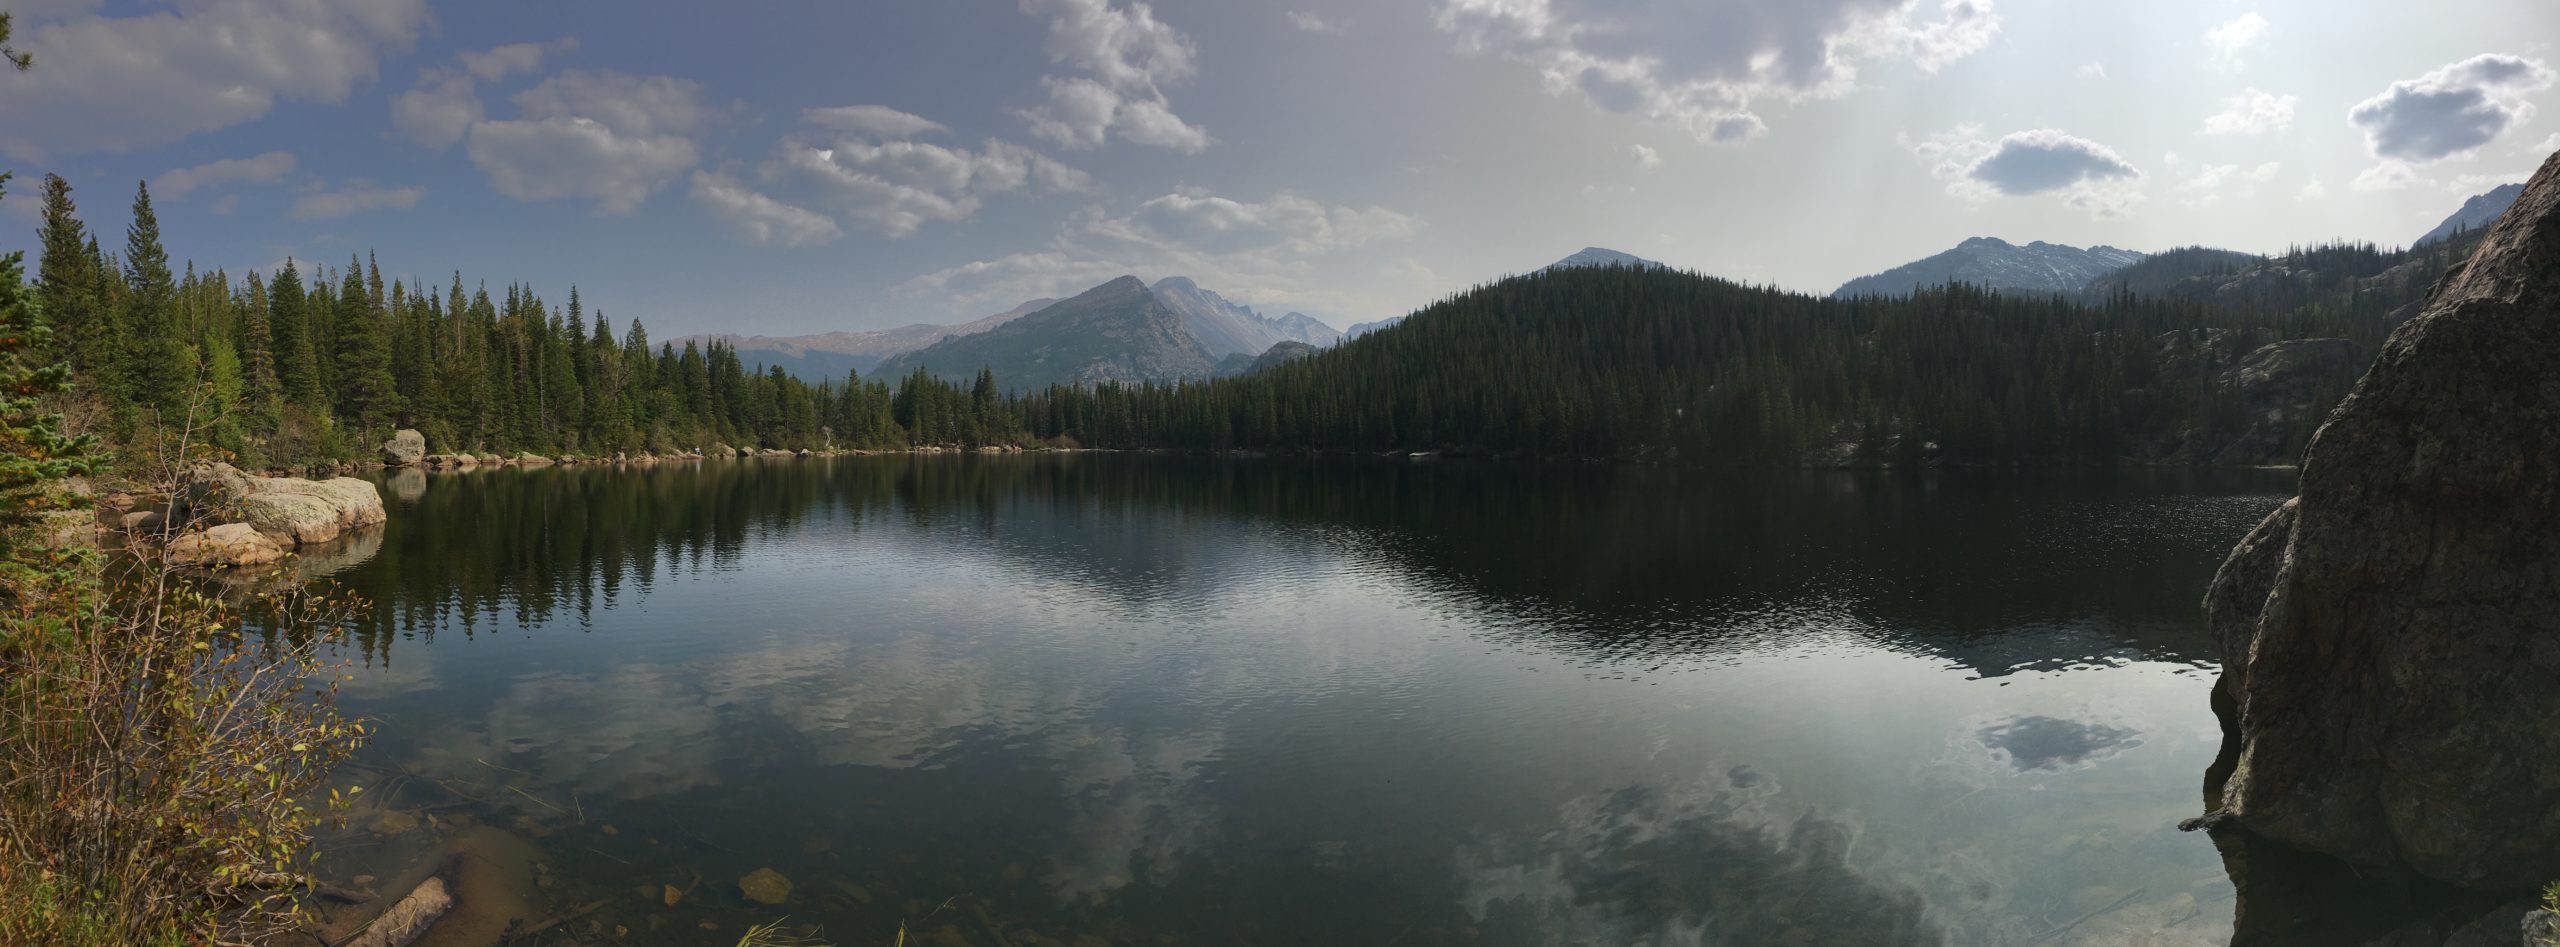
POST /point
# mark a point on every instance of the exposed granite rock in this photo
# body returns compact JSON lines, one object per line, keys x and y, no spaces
{"x":405,"y":447}
{"x":294,"y":511}
{"x":2396,"y":686}
{"x":228,"y":546}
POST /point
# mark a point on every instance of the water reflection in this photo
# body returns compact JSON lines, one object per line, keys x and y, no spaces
{"x":1647,"y":866}
{"x":1297,"y":703}
{"x":2048,"y":743}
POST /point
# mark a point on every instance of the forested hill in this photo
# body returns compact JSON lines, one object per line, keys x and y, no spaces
{"x":1621,"y":362}
{"x":310,"y":365}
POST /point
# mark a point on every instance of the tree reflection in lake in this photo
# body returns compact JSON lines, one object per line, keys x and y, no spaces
{"x":1291,"y":702}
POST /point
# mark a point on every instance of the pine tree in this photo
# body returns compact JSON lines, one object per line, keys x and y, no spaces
{"x":366,"y":395}
{"x":297,"y":370}
{"x":258,"y":355}
{"x":157,"y":372}
{"x":84,"y":332}
{"x":35,"y":454}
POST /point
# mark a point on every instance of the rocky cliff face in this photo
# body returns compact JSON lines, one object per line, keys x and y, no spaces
{"x":2391,"y":640}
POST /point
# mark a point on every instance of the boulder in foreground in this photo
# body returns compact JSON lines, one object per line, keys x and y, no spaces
{"x":2391,"y":640}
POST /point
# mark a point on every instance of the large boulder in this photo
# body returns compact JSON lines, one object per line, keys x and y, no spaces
{"x":2391,"y":640}
{"x":228,"y":546}
{"x":284,"y":508}
{"x":405,"y":447}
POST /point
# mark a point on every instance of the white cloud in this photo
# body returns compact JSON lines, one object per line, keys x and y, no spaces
{"x":875,"y":120}
{"x":612,"y":138}
{"x":2207,"y":184}
{"x":2312,"y":191}
{"x":2547,"y":146}
{"x":497,"y":64}
{"x":113,"y":83}
{"x":630,"y":105}
{"x":2387,"y":176}
{"x":224,"y":206}
{"x":2232,"y":40}
{"x":2090,"y":177}
{"x":1646,"y":157}
{"x":438,"y":112}
{"x":355,"y":198}
{"x":1706,"y":68}
{"x":896,"y":187}
{"x":443,"y":105}
{"x":759,"y":219}
{"x":1311,"y":23}
{"x":2091,"y":70}
{"x":1262,"y":250}
{"x":1194,"y":219}
{"x":267,"y":168}
{"x":2451,"y":111}
{"x":1128,"y":57}
{"x":2252,"y":112}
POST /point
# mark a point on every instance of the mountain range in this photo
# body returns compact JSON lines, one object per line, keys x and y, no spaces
{"x":828,"y":356}
{"x":1125,"y":330}
{"x":2475,"y":213}
{"x":1118,"y":331}
{"x":1993,"y":263}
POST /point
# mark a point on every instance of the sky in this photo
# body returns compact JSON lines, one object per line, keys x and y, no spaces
{"x":790,"y":166}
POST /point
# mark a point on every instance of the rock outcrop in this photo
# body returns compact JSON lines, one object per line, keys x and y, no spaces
{"x":2391,"y":639}
{"x":406,"y":447}
{"x":289,"y":510}
{"x":228,"y":546}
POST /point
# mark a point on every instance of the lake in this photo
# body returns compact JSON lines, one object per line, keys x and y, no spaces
{"x":1104,"y":699}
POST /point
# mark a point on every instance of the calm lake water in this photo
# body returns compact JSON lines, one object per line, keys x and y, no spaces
{"x":1128,"y":700}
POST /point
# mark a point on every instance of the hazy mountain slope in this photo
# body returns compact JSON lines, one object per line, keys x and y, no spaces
{"x":1300,"y":327}
{"x":1364,"y":328}
{"x":1222,"y":327}
{"x":1602,"y":256}
{"x":827,"y":356}
{"x":1118,"y":331}
{"x":1993,"y":263}
{"x":2476,"y":213}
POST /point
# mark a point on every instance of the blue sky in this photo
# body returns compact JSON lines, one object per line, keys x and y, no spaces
{"x":782,"y":167}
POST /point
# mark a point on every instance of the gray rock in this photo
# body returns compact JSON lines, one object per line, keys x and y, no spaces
{"x":228,"y":546}
{"x":2542,"y":929}
{"x":2395,"y":691}
{"x":405,"y":447}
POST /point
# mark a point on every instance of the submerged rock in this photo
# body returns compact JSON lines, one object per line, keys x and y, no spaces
{"x":2391,"y":639}
{"x":765,"y":886}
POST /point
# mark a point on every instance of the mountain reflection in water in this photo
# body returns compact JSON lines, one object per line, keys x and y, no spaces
{"x":1286,"y":702}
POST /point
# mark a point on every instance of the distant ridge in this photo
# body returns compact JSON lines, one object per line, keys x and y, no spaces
{"x":828,"y":356}
{"x":1991,"y":262}
{"x":1603,"y":256}
{"x":1118,"y":331}
{"x":2478,"y":212}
